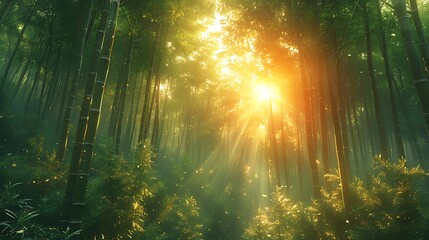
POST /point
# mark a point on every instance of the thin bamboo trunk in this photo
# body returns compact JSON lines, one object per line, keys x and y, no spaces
{"x":285,"y":158}
{"x":162,"y":124}
{"x":5,"y":9}
{"x":323,"y":98}
{"x":375,"y":91}
{"x":352,"y":129}
{"x":53,"y":86}
{"x":63,"y":96}
{"x":35,"y":81}
{"x":390,"y":79}
{"x":323,"y":105}
{"x":114,"y":115}
{"x":123,"y":96}
{"x":77,"y":65}
{"x":424,"y":45}
{"x":44,"y":81}
{"x":368,"y":117}
{"x":404,"y":108}
{"x":309,"y":128}
{"x":5,"y":74}
{"x":154,"y":97}
{"x":44,"y":91}
{"x":145,"y":112}
{"x":21,"y":78}
{"x":131,"y":116}
{"x":26,"y":82}
{"x":417,"y":69}
{"x":133,"y":128}
{"x":20,"y":64}
{"x":359,"y":161}
{"x":155,"y":130}
{"x":274,"y":146}
{"x":28,"y":63}
{"x":342,"y":111}
{"x":341,"y":159}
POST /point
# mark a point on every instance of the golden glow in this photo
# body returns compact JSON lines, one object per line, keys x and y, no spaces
{"x":241,"y":69}
{"x":217,"y":24}
{"x":213,"y":25}
{"x":263,"y":92}
{"x":251,"y":94}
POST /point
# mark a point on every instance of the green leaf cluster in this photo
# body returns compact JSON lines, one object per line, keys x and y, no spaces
{"x":387,"y":207}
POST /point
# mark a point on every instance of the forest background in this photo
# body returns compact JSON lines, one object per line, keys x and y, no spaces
{"x":182,"y":119}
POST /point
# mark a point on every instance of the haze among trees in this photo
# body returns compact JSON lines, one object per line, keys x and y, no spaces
{"x":214,"y":119}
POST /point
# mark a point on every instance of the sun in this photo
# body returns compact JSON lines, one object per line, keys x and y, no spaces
{"x":263,"y":92}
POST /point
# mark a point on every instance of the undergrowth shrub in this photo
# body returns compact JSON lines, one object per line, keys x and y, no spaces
{"x":115,"y":192}
{"x":20,"y":220}
{"x":132,"y":201}
{"x":178,"y":218}
{"x":126,"y":198}
{"x":40,"y":178}
{"x":386,"y":207}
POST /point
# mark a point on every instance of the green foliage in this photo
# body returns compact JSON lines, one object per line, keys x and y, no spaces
{"x":130,"y":199}
{"x":385,"y":208}
{"x":226,"y":209}
{"x":282,"y":220}
{"x":171,"y":212}
{"x":20,"y":220}
{"x":389,"y":207}
{"x":15,"y":132}
{"x":20,"y":224}
{"x":30,"y":209}
{"x":126,"y":194}
{"x":178,"y":218}
{"x":186,"y":197}
{"x":11,"y":196}
{"x":35,"y":167}
{"x":115,"y":191}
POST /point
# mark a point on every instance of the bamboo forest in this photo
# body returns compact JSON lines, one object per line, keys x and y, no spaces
{"x":214,"y":119}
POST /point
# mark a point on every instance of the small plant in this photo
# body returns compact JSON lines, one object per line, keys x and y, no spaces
{"x":282,"y":220}
{"x":20,"y":219}
{"x":20,"y":224}
{"x":10,"y":198}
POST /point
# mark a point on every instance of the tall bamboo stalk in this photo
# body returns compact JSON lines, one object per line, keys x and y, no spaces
{"x":83,"y":118}
{"x":390,"y":79}
{"x":417,"y":69}
{"x":123,"y":96}
{"x":94,"y":117}
{"x":309,"y":128}
{"x":8,"y":66}
{"x":5,"y":9}
{"x":374,"y":87}
{"x":77,"y":65}
{"x":424,"y":45}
